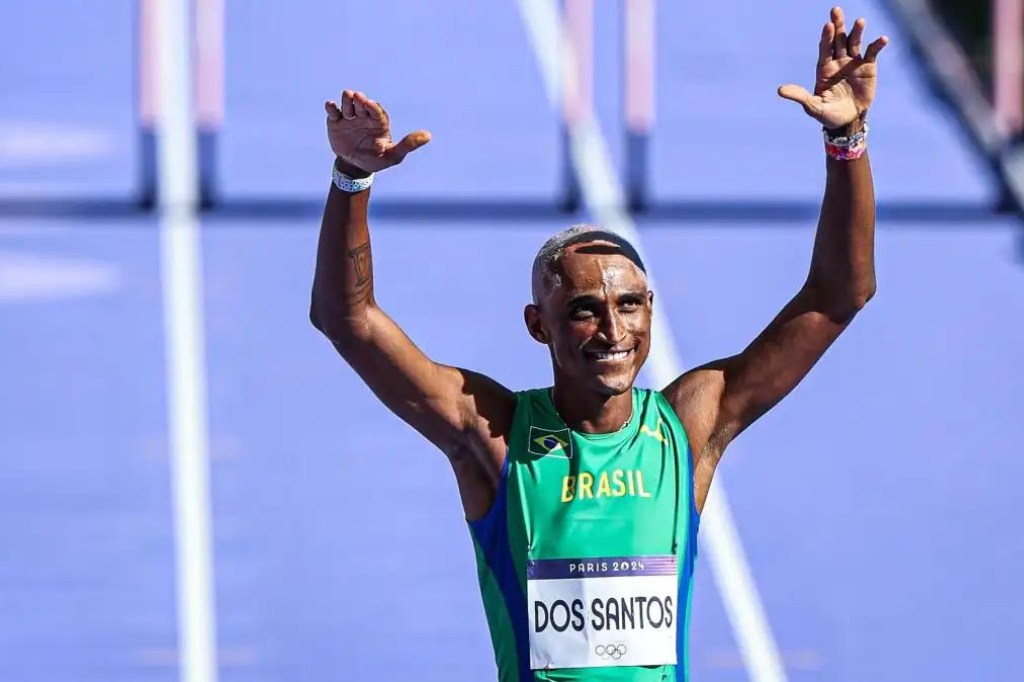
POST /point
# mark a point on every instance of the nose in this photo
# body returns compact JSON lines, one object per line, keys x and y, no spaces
{"x":611,"y":328}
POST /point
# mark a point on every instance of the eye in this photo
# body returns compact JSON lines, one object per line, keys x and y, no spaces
{"x":631,"y":304}
{"x":581,"y":313}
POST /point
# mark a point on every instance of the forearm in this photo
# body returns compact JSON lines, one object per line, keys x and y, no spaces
{"x":343,"y":283}
{"x":842,"y":271}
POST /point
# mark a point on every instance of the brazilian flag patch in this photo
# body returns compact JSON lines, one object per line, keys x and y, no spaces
{"x":544,"y":442}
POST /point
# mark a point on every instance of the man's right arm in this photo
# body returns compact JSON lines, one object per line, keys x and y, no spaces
{"x":465,"y":414}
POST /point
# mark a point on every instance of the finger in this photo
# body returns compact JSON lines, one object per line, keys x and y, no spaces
{"x":810,"y":103}
{"x":348,"y":109}
{"x":856,"y":37}
{"x":359,"y":102}
{"x":828,"y":34}
{"x":409,"y":143}
{"x":333,"y":112}
{"x":839,"y":44}
{"x":876,"y":47}
{"x":375,"y":110}
{"x":795,"y":93}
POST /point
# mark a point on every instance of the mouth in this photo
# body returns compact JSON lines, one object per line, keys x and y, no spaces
{"x":609,"y":356}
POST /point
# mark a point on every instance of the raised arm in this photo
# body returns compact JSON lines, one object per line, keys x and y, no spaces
{"x":719,"y":400}
{"x":464,"y":414}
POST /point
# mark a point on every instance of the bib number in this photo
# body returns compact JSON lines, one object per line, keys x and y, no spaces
{"x":611,"y":611}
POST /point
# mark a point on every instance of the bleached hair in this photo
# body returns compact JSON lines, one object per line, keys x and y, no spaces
{"x":546,"y":261}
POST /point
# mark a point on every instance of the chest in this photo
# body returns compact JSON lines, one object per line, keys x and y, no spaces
{"x":588,"y":500}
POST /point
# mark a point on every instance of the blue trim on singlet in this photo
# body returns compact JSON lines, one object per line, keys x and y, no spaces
{"x":492,"y":535}
{"x":686,"y":580}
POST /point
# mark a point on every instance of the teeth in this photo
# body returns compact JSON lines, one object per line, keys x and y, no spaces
{"x":606,"y":355}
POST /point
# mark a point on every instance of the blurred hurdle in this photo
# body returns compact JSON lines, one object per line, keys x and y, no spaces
{"x":1008,"y":96}
{"x":208,"y":95}
{"x":639,"y":97}
{"x":577,"y":88}
{"x":577,"y":93}
{"x":994,"y":117}
{"x":638,"y":92}
{"x":1008,"y":65}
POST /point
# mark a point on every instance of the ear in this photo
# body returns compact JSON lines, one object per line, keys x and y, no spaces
{"x":534,"y":325}
{"x":650,"y":299}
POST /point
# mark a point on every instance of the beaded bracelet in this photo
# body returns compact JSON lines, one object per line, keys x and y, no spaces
{"x":847,"y":148}
{"x":349,"y":184}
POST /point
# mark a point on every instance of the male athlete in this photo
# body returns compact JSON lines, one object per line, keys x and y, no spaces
{"x":583,"y":499}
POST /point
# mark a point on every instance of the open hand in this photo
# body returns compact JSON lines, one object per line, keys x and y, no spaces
{"x":844,"y":86}
{"x":360,"y":134}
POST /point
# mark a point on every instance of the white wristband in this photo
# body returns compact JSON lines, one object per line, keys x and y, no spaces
{"x":349,"y":184}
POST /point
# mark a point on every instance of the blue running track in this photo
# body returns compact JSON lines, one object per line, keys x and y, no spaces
{"x":879,"y":504}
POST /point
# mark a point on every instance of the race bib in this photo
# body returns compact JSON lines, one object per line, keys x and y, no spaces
{"x":610,"y":611}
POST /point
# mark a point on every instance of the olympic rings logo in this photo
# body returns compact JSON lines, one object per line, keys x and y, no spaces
{"x":612,"y":651}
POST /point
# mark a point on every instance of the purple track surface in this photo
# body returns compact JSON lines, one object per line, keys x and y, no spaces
{"x":877,"y":504}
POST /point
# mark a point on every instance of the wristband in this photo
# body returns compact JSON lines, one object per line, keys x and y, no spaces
{"x":847,"y":148}
{"x":349,"y":184}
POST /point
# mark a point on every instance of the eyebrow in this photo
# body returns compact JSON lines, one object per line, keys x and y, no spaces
{"x":588,"y":299}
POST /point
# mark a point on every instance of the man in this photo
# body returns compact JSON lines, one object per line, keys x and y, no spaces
{"x":583,"y":500}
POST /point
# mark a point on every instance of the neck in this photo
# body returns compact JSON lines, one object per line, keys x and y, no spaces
{"x":589,"y":412}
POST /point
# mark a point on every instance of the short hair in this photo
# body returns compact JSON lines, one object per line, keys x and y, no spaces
{"x":547,"y":258}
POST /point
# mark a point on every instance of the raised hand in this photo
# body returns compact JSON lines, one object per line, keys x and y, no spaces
{"x":844,"y":86}
{"x":360,"y":134}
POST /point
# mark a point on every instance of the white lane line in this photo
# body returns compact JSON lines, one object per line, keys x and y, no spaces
{"x":543,"y":30}
{"x":604,"y":197}
{"x":183,"y":325}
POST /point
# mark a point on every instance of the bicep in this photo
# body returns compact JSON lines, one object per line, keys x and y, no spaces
{"x":446,"y":404}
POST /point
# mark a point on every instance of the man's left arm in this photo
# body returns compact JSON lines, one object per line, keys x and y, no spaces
{"x":719,"y":400}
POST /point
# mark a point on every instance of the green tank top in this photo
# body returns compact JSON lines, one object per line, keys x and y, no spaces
{"x":586,"y":558}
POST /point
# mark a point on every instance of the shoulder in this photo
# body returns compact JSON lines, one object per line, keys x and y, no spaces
{"x":694,"y":398}
{"x":478,"y":456}
{"x":696,"y":394}
{"x":489,"y":407}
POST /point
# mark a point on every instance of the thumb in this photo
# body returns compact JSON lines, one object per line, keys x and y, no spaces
{"x":796,"y":94}
{"x":409,"y":143}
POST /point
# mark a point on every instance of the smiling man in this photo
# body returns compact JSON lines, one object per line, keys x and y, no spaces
{"x":583,"y":499}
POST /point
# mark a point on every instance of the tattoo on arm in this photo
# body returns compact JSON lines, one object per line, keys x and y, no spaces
{"x":363,"y":287}
{"x":361,"y":256}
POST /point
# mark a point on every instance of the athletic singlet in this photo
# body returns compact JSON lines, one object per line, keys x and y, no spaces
{"x":586,"y":558}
